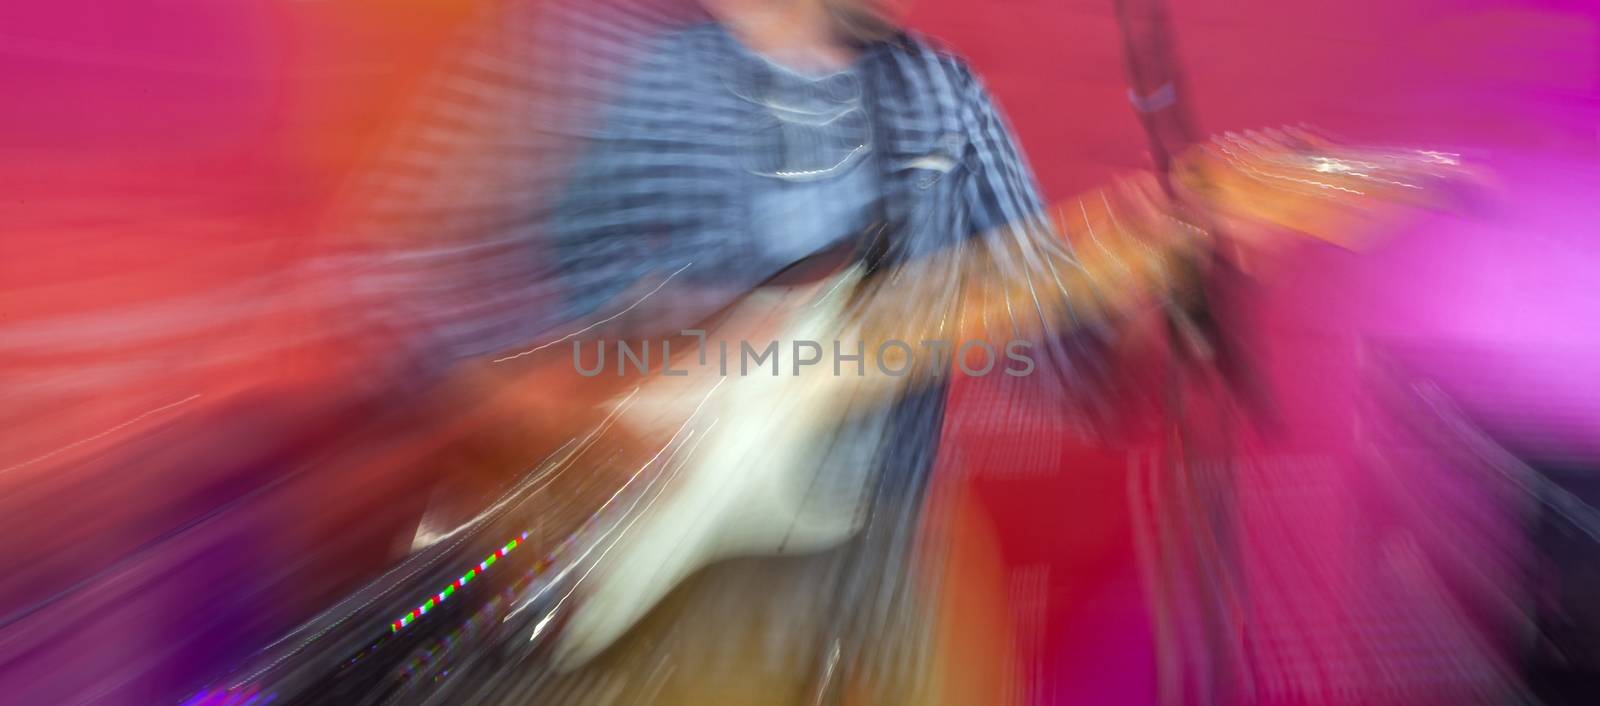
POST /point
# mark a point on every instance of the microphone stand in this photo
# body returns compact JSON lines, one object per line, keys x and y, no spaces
{"x":1193,"y":557}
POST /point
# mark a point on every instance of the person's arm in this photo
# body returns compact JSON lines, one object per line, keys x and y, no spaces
{"x":1016,"y":276}
{"x":1003,"y":191}
{"x":619,"y":251}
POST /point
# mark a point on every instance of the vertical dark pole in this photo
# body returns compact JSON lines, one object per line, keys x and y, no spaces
{"x":1156,"y":85}
{"x":1199,"y":606}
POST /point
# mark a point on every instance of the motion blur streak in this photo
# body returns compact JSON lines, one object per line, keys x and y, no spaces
{"x":287,"y":291}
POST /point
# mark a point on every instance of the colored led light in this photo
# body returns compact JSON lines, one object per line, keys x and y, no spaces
{"x":450,"y":590}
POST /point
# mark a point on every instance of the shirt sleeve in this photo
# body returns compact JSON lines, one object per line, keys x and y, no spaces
{"x":1003,"y":191}
{"x":608,"y":227}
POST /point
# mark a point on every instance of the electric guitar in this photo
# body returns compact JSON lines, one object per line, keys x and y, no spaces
{"x":734,"y":465}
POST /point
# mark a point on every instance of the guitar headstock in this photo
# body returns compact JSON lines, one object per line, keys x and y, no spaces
{"x":1300,"y":180}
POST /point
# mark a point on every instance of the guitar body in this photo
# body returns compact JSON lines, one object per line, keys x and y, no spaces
{"x":744,"y":463}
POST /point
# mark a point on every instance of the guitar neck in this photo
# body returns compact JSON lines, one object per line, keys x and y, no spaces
{"x":1024,"y":282}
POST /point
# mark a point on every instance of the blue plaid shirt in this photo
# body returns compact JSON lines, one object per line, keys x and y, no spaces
{"x":661,"y":190}
{"x":565,"y":160}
